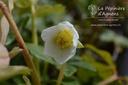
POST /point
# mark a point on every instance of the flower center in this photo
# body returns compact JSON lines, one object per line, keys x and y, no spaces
{"x":64,"y":39}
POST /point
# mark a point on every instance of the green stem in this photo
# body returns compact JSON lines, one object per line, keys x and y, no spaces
{"x":21,"y":43}
{"x":35,"y":37}
{"x":61,"y":74}
{"x":45,"y":70}
{"x":34,"y":30}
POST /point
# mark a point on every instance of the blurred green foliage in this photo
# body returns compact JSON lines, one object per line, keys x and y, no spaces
{"x":91,"y":65}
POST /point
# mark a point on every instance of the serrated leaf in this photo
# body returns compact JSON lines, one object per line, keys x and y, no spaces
{"x":84,"y":65}
{"x":70,"y":70}
{"x":12,"y":71}
{"x":47,"y":9}
{"x":23,"y":3}
{"x":37,"y":51}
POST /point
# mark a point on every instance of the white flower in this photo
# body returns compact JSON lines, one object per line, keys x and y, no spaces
{"x":60,"y":41}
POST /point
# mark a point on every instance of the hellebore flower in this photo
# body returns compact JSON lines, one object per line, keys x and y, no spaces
{"x":60,"y":41}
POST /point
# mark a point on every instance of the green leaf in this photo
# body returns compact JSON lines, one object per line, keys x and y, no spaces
{"x":37,"y":51}
{"x":107,"y":36}
{"x":15,"y":51}
{"x":110,"y":36}
{"x":80,"y":45}
{"x":12,"y":71}
{"x":24,"y":21}
{"x":47,"y":9}
{"x":121,"y":40}
{"x":85,"y":74}
{"x":84,"y":65}
{"x":70,"y":70}
{"x":26,"y":80}
{"x":10,"y":38}
{"x":106,"y":56}
{"x":70,"y":81}
{"x":103,"y":70}
{"x":101,"y":59}
{"x":23,"y":3}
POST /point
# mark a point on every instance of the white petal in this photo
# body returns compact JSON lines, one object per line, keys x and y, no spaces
{"x":76,"y":36}
{"x":51,"y":32}
{"x":71,"y":27}
{"x":75,"y":40}
{"x":66,"y":54}
{"x":48,"y":33}
{"x":49,"y":46}
{"x":59,"y":55}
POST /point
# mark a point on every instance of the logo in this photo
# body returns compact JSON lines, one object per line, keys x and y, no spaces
{"x":106,"y":11}
{"x":93,"y":9}
{"x":106,"y":14}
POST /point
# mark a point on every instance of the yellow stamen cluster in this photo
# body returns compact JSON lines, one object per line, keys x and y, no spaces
{"x":64,"y":39}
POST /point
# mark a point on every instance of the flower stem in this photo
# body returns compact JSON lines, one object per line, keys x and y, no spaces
{"x":35,"y":37}
{"x":21,"y":43}
{"x":61,"y":74}
{"x":45,"y":70}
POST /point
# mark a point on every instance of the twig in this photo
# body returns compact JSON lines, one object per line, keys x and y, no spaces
{"x":109,"y":80}
{"x":21,"y":43}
